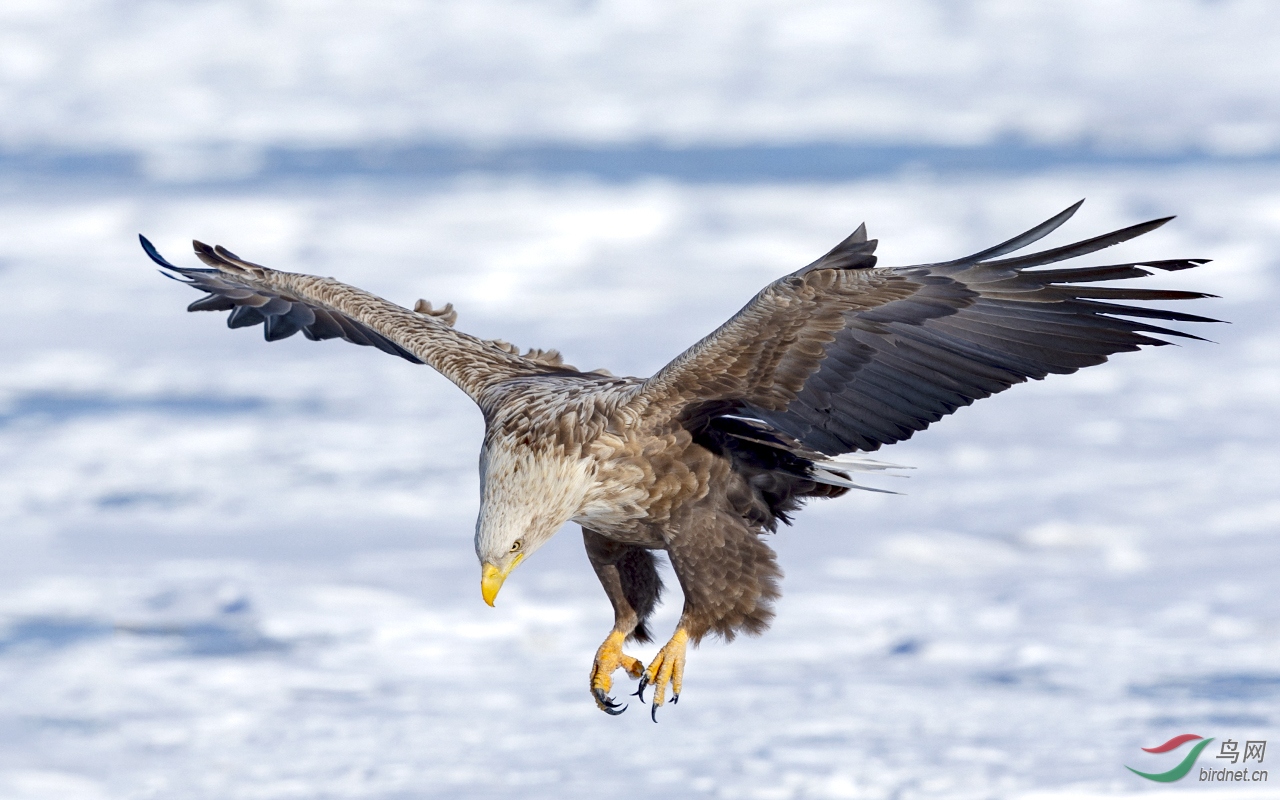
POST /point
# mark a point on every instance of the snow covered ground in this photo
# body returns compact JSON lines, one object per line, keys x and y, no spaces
{"x":205,"y":87}
{"x":230,"y":569}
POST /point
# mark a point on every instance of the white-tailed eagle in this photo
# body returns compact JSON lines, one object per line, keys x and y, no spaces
{"x":705,"y":457}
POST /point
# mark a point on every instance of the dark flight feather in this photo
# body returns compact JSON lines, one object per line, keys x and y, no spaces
{"x":281,"y":317}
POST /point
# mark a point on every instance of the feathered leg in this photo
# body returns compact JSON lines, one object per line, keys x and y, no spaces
{"x":629,"y":576}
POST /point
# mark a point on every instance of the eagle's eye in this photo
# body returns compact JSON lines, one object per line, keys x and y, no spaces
{"x":516,"y":545}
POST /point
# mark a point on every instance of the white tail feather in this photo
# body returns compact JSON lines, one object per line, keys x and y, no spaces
{"x":825,"y":470}
{"x":823,"y":476}
{"x":854,"y":463}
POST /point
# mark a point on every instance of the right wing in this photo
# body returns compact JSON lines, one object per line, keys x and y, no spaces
{"x":843,"y":356}
{"x":323,"y":308}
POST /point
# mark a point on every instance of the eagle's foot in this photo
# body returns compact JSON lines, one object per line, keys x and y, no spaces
{"x":667,"y":668}
{"x":609,"y":658}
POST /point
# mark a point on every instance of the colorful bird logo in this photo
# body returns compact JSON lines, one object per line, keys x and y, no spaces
{"x":1180,"y":771}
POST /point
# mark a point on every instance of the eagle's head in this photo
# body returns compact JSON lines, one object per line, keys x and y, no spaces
{"x":525,"y":497}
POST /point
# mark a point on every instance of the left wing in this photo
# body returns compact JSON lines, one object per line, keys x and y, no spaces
{"x":323,"y":308}
{"x":843,"y":356}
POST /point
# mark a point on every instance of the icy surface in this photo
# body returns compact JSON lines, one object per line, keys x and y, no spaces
{"x":205,"y":87}
{"x":237,"y":570}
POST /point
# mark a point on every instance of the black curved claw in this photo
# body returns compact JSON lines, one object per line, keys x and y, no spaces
{"x":644,"y":684}
{"x":607,"y":704}
{"x":653,"y":712}
{"x":675,"y":698}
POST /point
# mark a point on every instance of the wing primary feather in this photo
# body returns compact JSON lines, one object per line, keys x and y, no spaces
{"x":154,"y":254}
{"x":1021,"y":240}
{"x":1113,"y":272}
{"x":1176,"y":264}
{"x":1078,"y":312}
{"x":1149,"y":313}
{"x":1079,"y":248}
{"x":1072,"y":324}
{"x":1112,"y":293}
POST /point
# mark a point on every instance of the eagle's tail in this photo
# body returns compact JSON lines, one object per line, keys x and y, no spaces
{"x":835,"y":471}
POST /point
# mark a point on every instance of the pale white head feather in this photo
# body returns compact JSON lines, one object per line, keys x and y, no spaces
{"x":525,"y":497}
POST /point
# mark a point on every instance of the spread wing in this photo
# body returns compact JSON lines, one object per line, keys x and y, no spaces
{"x":286,"y":303}
{"x":843,"y":356}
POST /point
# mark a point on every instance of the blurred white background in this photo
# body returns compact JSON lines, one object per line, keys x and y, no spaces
{"x":237,"y":570}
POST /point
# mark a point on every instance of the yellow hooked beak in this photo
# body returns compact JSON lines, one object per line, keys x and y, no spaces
{"x":491,"y":578}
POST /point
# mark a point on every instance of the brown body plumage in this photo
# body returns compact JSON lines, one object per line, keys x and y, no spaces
{"x":726,"y":441}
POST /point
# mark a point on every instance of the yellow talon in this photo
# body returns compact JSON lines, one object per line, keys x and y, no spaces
{"x":609,"y":658}
{"x":667,"y":667}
